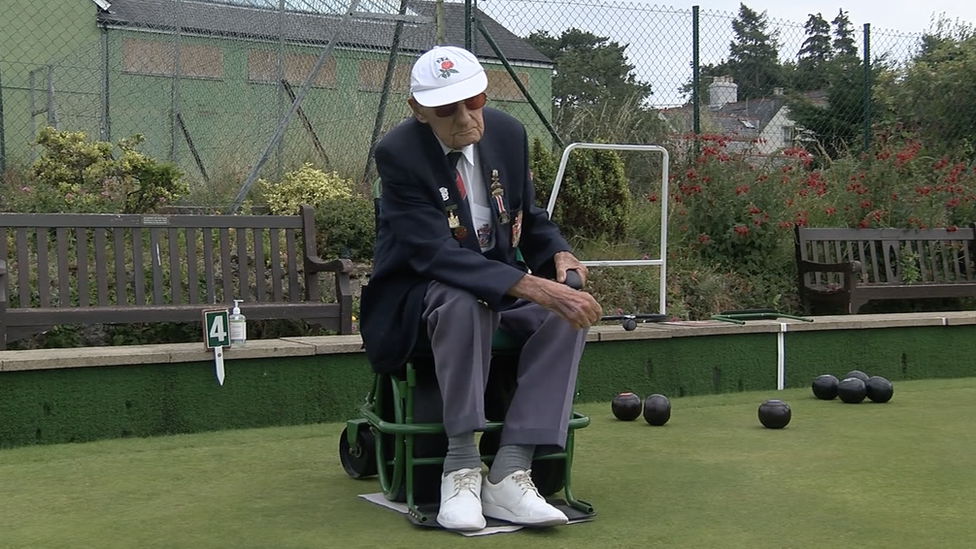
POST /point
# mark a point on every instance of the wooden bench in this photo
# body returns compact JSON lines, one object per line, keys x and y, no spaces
{"x":853,"y":266}
{"x":119,"y":269}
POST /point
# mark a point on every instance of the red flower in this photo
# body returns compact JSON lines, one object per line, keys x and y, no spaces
{"x":742,"y":189}
{"x":703,"y":238}
{"x":741,"y":230}
{"x":447,"y":65}
{"x":652,"y":197}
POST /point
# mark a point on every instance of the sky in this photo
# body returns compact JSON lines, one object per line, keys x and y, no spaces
{"x":658,"y":34}
{"x":903,"y":15}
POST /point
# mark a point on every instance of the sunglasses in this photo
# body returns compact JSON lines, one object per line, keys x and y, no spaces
{"x":471,"y":103}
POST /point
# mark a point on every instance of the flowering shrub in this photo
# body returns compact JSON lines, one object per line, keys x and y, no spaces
{"x":740,"y":208}
{"x":307,"y":185}
{"x":77,"y":175}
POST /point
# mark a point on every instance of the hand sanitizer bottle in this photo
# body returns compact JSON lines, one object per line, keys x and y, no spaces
{"x":238,"y":326}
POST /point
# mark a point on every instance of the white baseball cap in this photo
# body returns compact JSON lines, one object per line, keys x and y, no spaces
{"x":446,"y":75}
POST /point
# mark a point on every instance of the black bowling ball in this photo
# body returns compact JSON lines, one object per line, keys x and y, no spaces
{"x":825,"y":387}
{"x":851,"y":390}
{"x":626,"y":406}
{"x":858,"y":374}
{"x":879,"y":389}
{"x":775,"y":414}
{"x":657,"y":410}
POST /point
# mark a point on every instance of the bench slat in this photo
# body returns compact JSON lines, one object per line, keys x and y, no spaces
{"x":101,"y":267}
{"x":121,"y":278}
{"x":81,"y":253}
{"x":43,"y":266}
{"x":966,"y":261}
{"x":225,"y":268}
{"x":138,"y":267}
{"x":23,"y":268}
{"x":208,"y":263}
{"x":275,"y":251}
{"x":945,"y":262}
{"x":64,"y":288}
{"x":258,"y":235}
{"x":292,"y":266}
{"x":175,"y":266}
{"x":157,"y":268}
{"x":165,"y":313}
{"x":243,"y":280}
{"x":192,"y":276}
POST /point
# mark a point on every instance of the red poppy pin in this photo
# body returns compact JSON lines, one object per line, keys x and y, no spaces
{"x":446,"y":66}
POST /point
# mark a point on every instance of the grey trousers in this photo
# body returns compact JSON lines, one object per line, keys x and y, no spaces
{"x":460,"y":330}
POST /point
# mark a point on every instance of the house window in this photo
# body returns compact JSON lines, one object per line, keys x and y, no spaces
{"x":262,"y":66}
{"x":503,"y":88}
{"x":156,"y":58}
{"x":373,"y":71}
{"x":788,"y":135}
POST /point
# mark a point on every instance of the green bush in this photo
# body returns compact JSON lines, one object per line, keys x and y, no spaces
{"x":77,"y":175}
{"x":594,"y":198}
{"x":345,"y":228}
{"x":307,"y":185}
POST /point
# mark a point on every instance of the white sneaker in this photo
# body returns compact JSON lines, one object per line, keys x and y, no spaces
{"x":461,"y":500}
{"x":516,"y":499}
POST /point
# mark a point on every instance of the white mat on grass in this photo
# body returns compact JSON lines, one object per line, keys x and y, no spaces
{"x":379,"y":499}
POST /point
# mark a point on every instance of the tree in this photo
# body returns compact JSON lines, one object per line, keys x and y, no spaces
{"x":816,"y":52}
{"x":595,"y":92}
{"x":753,"y":55}
{"x":934,"y":95}
{"x":845,"y":48}
{"x":590,"y":69}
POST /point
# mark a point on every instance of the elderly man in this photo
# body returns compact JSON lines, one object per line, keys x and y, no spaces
{"x":457,"y":203}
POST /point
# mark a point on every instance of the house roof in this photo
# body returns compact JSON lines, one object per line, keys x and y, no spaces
{"x":237,"y":21}
{"x":743,"y":119}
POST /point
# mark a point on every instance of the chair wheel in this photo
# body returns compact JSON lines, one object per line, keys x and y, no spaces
{"x":549,"y":475}
{"x":359,"y":462}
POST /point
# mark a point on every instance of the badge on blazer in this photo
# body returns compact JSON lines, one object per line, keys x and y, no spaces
{"x":445,"y":196}
{"x":517,"y":229}
{"x":498,"y":195}
{"x":452,"y":220}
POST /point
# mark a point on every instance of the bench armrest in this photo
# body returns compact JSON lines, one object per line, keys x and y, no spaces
{"x":318,"y":265}
{"x":3,"y":281}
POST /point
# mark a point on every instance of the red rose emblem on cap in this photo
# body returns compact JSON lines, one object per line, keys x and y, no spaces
{"x":446,"y":67}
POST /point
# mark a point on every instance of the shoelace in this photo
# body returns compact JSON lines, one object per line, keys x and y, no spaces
{"x":466,"y":481}
{"x":524,"y":480}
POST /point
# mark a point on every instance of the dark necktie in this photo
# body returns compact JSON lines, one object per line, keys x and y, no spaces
{"x":452,"y":160}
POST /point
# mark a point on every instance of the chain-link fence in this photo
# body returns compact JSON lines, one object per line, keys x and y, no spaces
{"x":212,"y":84}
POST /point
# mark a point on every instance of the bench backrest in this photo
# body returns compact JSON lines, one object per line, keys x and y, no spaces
{"x":891,"y":256}
{"x":85,"y":260}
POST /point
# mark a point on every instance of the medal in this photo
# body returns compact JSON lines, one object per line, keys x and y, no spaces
{"x":517,"y":229}
{"x":498,"y":195}
{"x":452,"y":220}
{"x":460,"y":232}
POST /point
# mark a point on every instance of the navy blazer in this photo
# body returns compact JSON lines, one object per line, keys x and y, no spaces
{"x":415,"y":245}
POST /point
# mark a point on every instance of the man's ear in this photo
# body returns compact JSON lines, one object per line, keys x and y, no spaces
{"x":417,"y":110}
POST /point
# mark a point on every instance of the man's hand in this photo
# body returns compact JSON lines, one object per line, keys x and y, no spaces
{"x":580,"y":309}
{"x":566,"y":261}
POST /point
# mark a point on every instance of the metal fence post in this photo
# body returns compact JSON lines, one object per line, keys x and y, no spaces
{"x":867,"y":86}
{"x":695,"y":73}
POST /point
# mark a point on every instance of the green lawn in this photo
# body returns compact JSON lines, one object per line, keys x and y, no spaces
{"x":869,"y":475}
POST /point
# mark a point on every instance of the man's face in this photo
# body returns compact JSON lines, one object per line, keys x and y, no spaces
{"x":459,"y":129}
